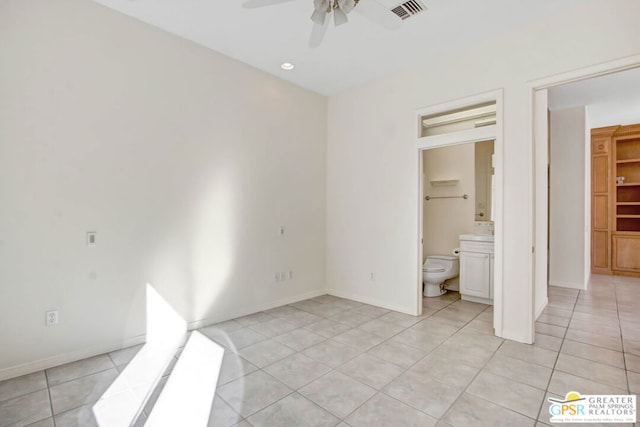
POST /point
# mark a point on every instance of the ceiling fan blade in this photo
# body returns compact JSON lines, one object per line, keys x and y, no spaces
{"x":378,"y":14}
{"x":346,"y":5}
{"x":321,"y":8}
{"x":339,"y":17}
{"x":319,"y":16}
{"x":252,"y":4}
{"x":317,"y":34}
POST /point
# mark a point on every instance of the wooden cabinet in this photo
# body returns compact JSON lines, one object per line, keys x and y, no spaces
{"x":600,"y":200}
{"x":615,"y":200}
{"x":476,"y":271}
{"x":626,"y":252}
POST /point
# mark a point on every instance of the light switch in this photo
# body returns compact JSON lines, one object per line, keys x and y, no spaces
{"x":91,"y":238}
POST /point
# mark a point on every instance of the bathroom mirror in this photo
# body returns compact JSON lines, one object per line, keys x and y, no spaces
{"x":484,"y":173}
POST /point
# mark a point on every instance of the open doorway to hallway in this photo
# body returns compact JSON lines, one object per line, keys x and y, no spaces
{"x":574,"y":109}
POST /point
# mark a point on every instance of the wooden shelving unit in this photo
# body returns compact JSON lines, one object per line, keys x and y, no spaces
{"x":615,"y":198}
{"x":627,"y":170}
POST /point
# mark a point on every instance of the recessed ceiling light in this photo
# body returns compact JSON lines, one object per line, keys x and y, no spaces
{"x":287,"y":66}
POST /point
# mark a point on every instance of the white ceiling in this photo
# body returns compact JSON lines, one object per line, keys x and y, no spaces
{"x":351,"y":54}
{"x":613,"y":99}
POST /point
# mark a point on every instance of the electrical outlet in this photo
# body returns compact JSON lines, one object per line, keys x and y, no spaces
{"x":372,"y":277}
{"x":51,"y":317}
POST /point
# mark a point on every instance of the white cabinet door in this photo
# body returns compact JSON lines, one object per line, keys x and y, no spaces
{"x":475,"y":274}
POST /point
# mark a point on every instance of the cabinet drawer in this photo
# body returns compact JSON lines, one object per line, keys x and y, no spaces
{"x":483,"y":247}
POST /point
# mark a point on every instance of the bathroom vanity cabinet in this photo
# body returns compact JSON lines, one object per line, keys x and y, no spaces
{"x":476,"y":268}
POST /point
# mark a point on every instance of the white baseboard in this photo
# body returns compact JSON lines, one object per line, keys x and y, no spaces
{"x":516,"y":336}
{"x":61,"y":359}
{"x":370,"y":301}
{"x":479,"y":300}
{"x":540,"y":309}
{"x":569,"y":285}
{"x":239,"y":312}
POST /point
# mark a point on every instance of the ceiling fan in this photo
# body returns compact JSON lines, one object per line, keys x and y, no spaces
{"x":370,"y":9}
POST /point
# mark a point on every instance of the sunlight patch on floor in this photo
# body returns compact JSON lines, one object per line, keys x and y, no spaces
{"x":188,"y":395}
{"x":122,"y":403}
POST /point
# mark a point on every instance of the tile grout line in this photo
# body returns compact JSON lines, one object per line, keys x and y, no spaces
{"x":85,"y":375}
{"x":336,"y":369}
{"x":494,"y":403}
{"x":470,"y":382}
{"x":405,"y":370}
{"x":46,"y":377}
{"x":464,"y":389}
{"x":332,"y":369}
{"x":580,"y":292}
{"x":366,"y":352}
{"x":586,"y":301}
{"x":262,"y":369}
{"x":49,"y":386}
{"x":435,"y":348}
{"x":624,"y":359}
{"x":553,"y":369}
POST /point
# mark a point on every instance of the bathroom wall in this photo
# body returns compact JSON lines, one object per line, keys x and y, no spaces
{"x":445,"y":219}
{"x":567,"y":199}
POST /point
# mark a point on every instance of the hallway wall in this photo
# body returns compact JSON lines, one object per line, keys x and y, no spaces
{"x":567,"y":202}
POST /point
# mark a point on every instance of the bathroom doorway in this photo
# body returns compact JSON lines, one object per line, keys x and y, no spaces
{"x":458,"y":186}
{"x":458,"y":183}
{"x":458,"y":126}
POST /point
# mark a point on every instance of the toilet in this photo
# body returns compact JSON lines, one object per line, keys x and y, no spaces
{"x":437,"y":269}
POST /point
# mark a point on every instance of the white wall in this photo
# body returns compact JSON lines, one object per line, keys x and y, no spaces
{"x":567,"y":199}
{"x":541,"y":200}
{"x":372,"y":215}
{"x":587,"y":196}
{"x":184,"y":161}
{"x":446,"y":219}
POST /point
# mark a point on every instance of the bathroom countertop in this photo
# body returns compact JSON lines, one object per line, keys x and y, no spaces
{"x":477,"y":237}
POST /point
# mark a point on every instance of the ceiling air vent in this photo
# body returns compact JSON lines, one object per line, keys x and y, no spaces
{"x":408,"y":9}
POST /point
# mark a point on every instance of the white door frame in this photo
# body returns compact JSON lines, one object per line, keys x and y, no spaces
{"x":540,"y":223}
{"x":494,"y":132}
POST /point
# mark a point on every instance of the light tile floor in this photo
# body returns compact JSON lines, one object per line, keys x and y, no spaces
{"x":329,"y":361}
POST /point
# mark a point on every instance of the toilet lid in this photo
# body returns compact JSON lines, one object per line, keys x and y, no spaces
{"x":433,"y":269}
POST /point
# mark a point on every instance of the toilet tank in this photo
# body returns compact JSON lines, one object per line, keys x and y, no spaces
{"x":444,"y":260}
